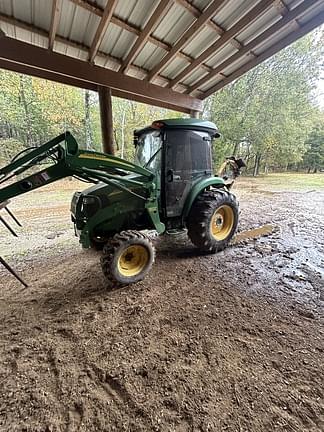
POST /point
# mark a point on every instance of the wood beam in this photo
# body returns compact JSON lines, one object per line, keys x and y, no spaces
{"x":281,"y":7}
{"x":211,"y":24}
{"x":97,"y":10}
{"x":74,"y":44}
{"x":56,"y":8}
{"x":186,"y":38}
{"x":51,"y":76}
{"x":89,"y":6}
{"x":283,"y":43}
{"x":154,"y":40}
{"x":102,"y":27}
{"x":194,"y":114}
{"x":92,"y":7}
{"x":27,"y":54}
{"x":106,"y":120}
{"x":159,"y":13}
{"x":286,"y":20}
{"x":228,"y":35}
{"x":191,"y":8}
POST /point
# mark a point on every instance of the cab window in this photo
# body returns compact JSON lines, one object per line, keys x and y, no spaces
{"x":148,"y":151}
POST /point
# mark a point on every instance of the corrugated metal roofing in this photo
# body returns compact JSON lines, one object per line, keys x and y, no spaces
{"x":78,"y":21}
{"x":174,"y":23}
{"x":233,"y":10}
{"x":204,"y":38}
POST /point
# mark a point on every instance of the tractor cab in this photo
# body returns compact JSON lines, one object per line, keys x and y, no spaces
{"x":179,"y":153}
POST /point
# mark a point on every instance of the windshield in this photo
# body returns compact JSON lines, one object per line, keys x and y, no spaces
{"x":148,"y":151}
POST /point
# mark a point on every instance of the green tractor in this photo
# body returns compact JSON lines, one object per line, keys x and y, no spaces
{"x":170,"y":186}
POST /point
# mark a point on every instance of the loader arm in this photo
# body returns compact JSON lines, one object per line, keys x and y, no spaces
{"x":69,"y":160}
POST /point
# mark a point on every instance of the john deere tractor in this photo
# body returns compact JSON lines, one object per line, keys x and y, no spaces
{"x":170,"y":186}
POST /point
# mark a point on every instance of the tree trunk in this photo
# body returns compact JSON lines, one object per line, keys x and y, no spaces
{"x":87,"y":120}
{"x":122,"y":135}
{"x":236,"y":146}
{"x":116,"y":139}
{"x":257,"y":164}
{"x":22,"y":94}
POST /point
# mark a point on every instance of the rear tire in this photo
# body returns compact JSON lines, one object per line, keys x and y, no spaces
{"x":213,"y":220}
{"x":127,"y":258}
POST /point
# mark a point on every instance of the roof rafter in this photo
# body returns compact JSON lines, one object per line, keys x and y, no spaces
{"x":28,"y":70}
{"x":95,"y":9}
{"x":159,"y":13}
{"x":228,"y":35}
{"x":73,"y":44}
{"x":283,"y":43}
{"x":23,"y":53}
{"x":211,"y":24}
{"x":102,"y":27}
{"x":281,"y":7}
{"x":56,"y":8}
{"x":286,"y":20}
{"x":186,"y":37}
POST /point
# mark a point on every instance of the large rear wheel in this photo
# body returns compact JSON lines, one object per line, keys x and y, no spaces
{"x":213,"y":220}
{"x":127,"y":258}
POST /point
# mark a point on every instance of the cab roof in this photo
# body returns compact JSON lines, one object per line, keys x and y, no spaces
{"x":182,"y":123}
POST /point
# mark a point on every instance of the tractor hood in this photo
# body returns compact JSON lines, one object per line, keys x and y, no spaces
{"x":102,"y":195}
{"x":113,"y":193}
{"x":108,"y":200}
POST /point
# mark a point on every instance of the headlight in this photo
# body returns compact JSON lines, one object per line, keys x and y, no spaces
{"x":90,"y":205}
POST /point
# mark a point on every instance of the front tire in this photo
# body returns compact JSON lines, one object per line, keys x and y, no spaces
{"x":213,"y":220}
{"x":127,"y":258}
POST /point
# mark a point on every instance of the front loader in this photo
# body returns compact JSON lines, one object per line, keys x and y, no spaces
{"x":170,"y":186}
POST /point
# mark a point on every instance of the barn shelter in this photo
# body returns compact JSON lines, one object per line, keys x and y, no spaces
{"x":167,"y":53}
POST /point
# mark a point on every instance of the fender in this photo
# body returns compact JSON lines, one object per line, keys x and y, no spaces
{"x":197,"y":188}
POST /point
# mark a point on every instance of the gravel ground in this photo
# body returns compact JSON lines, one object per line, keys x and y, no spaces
{"x":225,"y":342}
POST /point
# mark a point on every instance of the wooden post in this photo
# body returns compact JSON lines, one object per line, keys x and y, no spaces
{"x":194,"y":114}
{"x":106,"y":119}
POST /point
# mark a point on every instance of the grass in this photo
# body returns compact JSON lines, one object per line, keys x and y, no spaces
{"x":286,"y":181}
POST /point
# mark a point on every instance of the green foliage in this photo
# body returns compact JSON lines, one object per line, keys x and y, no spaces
{"x":33,"y":110}
{"x":130,"y":115}
{"x":313,"y":159}
{"x":266,"y":115}
{"x":9,"y":147}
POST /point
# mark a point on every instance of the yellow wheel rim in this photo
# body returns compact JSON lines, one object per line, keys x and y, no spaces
{"x":222,"y":222}
{"x":133,"y":260}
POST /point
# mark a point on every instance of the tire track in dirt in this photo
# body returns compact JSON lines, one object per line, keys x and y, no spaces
{"x":205,"y":343}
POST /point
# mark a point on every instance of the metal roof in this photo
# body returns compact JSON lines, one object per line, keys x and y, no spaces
{"x":190,"y":47}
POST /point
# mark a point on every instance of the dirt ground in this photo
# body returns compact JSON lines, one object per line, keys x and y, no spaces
{"x":225,"y":342}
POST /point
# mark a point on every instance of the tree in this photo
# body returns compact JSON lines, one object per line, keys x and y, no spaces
{"x":33,"y":110}
{"x":267,"y":114}
{"x":87,"y":120}
{"x":313,"y":159}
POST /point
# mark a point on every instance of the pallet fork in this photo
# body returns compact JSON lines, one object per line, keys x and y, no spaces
{"x":4,"y":206}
